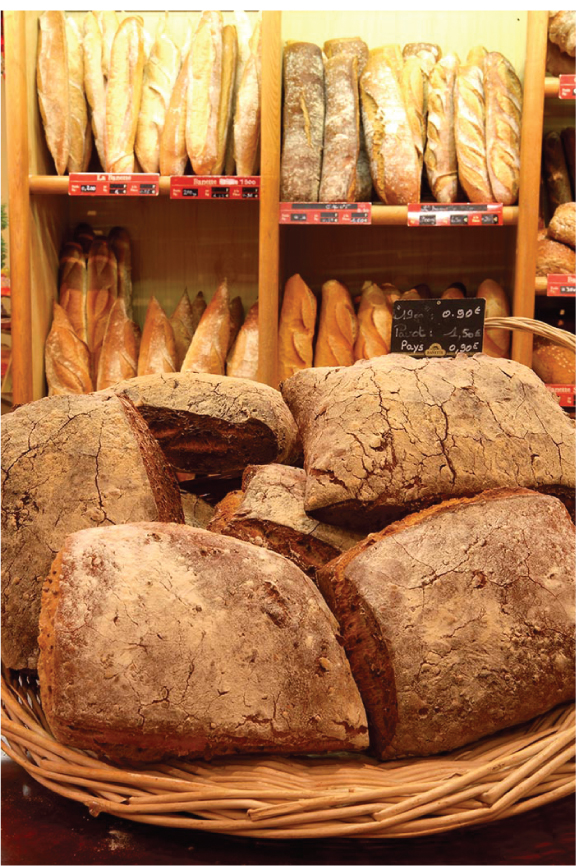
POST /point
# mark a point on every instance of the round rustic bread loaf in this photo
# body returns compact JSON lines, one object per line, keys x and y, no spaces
{"x":69,"y":462}
{"x":394,"y":434}
{"x":554,"y":258}
{"x":562,"y":226}
{"x":554,"y":364}
{"x":158,"y":640}
{"x":214,"y":424}
{"x":459,"y":621}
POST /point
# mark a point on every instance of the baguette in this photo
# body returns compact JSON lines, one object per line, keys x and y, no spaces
{"x":243,"y":34}
{"x":123,"y":95}
{"x":120,"y":347}
{"x":242,"y":362}
{"x":412,"y":87}
{"x":296,"y":329}
{"x":374,"y":322}
{"x":476,"y":56}
{"x":204,"y":94}
{"x":183,"y":325}
{"x":440,"y":156}
{"x":454,"y":292}
{"x":338,"y":327}
{"x":503,"y":118}
{"x":341,"y":130}
{"x":556,"y":172}
{"x":173,"y":153}
{"x":428,"y":55}
{"x":101,"y":293}
{"x":236,"y":319}
{"x":247,"y":113}
{"x":108,"y":23}
{"x":303,"y":124}
{"x":389,"y":140}
{"x":209,"y":347}
{"x":95,"y":83}
{"x":496,"y":340}
{"x":67,"y":357}
{"x":470,"y":134}
{"x":567,"y":136}
{"x":226,"y":109}
{"x":79,"y":128}
{"x":72,"y":282}
{"x":159,"y":78}
{"x":198,"y":307}
{"x":158,"y":346}
{"x":52,"y":81}
{"x":562,"y":31}
{"x":119,"y":243}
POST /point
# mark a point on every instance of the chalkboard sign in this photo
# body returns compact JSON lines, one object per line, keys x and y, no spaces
{"x":436,"y":328}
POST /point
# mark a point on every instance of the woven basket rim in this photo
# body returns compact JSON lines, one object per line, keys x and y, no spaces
{"x":309,"y":797}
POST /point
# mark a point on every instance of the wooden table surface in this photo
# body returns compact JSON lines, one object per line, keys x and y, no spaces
{"x":40,"y":827}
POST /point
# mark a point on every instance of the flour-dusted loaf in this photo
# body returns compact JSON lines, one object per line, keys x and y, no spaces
{"x":470,"y":133}
{"x":337,"y":328}
{"x":80,"y":148}
{"x":562,"y":227}
{"x":120,"y":348}
{"x":440,"y":155}
{"x":158,"y":352}
{"x":459,"y":621}
{"x":209,"y":347}
{"x":562,"y":31}
{"x":503,"y":93}
{"x":412,"y":87}
{"x":73,"y":287}
{"x":341,"y":130}
{"x":173,"y":153}
{"x":206,"y":423}
{"x":123,"y":96}
{"x":52,"y":82}
{"x":69,"y":462}
{"x":95,"y":82}
{"x":270,"y":513}
{"x":303,"y":123}
{"x":394,"y":434}
{"x":67,"y":359}
{"x":296,"y":328}
{"x":204,"y":94}
{"x":164,"y":640}
{"x":247,"y":111}
{"x":375,"y":315}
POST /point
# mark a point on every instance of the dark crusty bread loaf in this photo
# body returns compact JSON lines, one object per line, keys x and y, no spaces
{"x":303,"y":124}
{"x":458,"y":621}
{"x":567,"y":136}
{"x":143,"y":655}
{"x":562,"y":227}
{"x":394,"y":434}
{"x":206,"y":423}
{"x":68,"y":463}
{"x":270,"y":513}
{"x":556,"y":174}
{"x":341,"y":130}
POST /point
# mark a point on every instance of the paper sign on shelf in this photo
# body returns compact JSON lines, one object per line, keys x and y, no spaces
{"x":561,"y":285}
{"x":565,"y":394}
{"x":325,"y":213}
{"x":466,"y":214}
{"x":567,"y":87}
{"x":436,"y":328}
{"x":82,"y":183}
{"x":215,"y":187}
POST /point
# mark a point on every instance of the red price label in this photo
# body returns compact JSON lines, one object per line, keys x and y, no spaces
{"x":325,"y":213}
{"x":567,"y":87}
{"x":565,"y":394}
{"x":113,"y":184}
{"x":215,"y":187}
{"x":561,"y":285}
{"x":455,"y":214}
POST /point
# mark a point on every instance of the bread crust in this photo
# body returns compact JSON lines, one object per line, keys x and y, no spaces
{"x":67,"y":358}
{"x":470,"y":134}
{"x":554,"y":258}
{"x":209,"y":347}
{"x":562,"y":31}
{"x":374,"y":322}
{"x":204,"y":94}
{"x":123,"y":96}
{"x":73,"y":286}
{"x":496,"y":340}
{"x":562,"y":227}
{"x":52,"y":82}
{"x":120,"y":348}
{"x":158,"y":352}
{"x":554,"y":364}
{"x":296,"y":329}
{"x":101,"y":293}
{"x":94,"y":82}
{"x":242,"y":361}
{"x":341,"y":130}
{"x":440,"y":155}
{"x":337,"y":328}
{"x":503,"y":119}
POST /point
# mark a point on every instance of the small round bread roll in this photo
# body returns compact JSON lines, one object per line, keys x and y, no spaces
{"x":562,"y":226}
{"x":554,"y":258}
{"x":554,"y":364}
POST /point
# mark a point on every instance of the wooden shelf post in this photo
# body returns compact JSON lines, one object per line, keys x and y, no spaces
{"x":18,"y":205}
{"x":268,"y":256}
{"x":530,"y":160}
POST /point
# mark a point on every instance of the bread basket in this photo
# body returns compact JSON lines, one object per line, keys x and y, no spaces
{"x":271,"y":797}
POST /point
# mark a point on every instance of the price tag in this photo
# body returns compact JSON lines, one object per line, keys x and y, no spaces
{"x":325,"y":213}
{"x":455,"y":214}
{"x":567,"y":87}
{"x":113,"y":184}
{"x":438,"y":328}
{"x":561,"y":285}
{"x":215,"y":187}
{"x":565,"y":394}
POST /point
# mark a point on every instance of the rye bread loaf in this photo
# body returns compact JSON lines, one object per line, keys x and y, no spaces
{"x":394,"y":434}
{"x":206,"y":423}
{"x":270,"y":513}
{"x":69,"y":462}
{"x":162,"y":640}
{"x":459,"y":621}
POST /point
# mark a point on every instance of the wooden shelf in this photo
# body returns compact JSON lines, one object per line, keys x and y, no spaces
{"x":392,"y":215}
{"x":551,"y":87}
{"x":46,"y":184}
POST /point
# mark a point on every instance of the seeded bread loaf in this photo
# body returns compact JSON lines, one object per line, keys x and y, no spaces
{"x":143,"y":656}
{"x":206,"y":423}
{"x":554,"y":364}
{"x":562,"y":227}
{"x":69,"y":463}
{"x":394,"y":434}
{"x":554,"y":258}
{"x":459,"y":621}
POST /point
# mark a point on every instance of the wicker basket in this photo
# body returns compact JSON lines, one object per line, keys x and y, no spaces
{"x":311,"y":797}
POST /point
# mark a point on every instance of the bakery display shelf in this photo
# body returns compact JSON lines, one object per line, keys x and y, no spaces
{"x":45,"y":184}
{"x":551,"y":87}
{"x":273,"y":797}
{"x":541,"y":288}
{"x":383,"y":215}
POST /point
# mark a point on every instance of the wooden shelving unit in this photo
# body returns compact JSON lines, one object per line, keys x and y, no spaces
{"x":191,"y":244}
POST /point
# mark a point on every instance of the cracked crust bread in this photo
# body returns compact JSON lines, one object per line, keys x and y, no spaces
{"x":269,"y":512}
{"x":459,"y":621}
{"x":394,"y":434}
{"x":562,"y":227}
{"x":69,"y":462}
{"x":206,"y":423}
{"x":162,"y":640}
